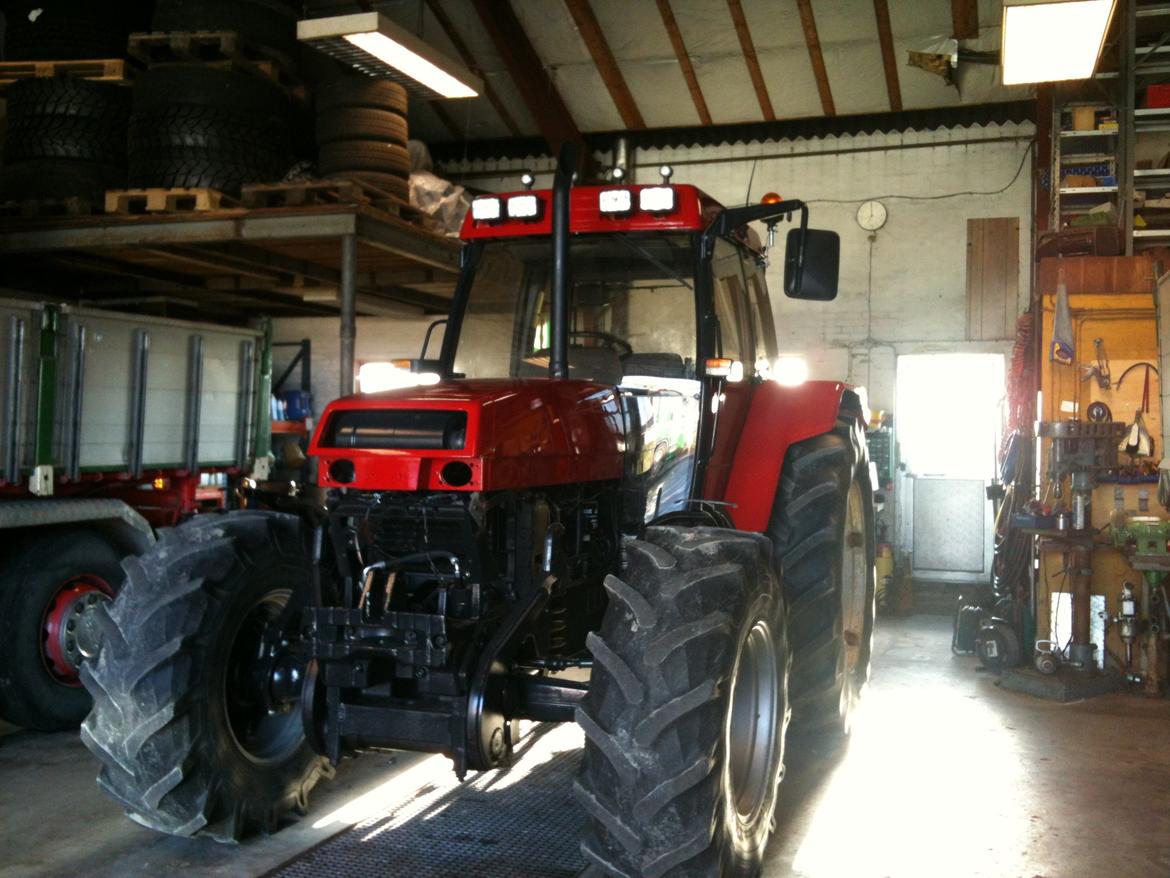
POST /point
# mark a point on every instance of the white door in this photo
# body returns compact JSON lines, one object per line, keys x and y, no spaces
{"x":948,"y":427}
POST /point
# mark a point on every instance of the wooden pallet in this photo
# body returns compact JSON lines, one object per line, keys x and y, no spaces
{"x":223,"y":49}
{"x":298,"y":193}
{"x":384,"y":200}
{"x":114,"y":70}
{"x":160,"y":200}
{"x":47,"y":207}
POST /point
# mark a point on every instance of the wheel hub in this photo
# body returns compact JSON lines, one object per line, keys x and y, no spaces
{"x":753,"y":724}
{"x":68,"y":632}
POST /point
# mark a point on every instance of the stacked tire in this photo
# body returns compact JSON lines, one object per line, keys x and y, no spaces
{"x":66,"y":139}
{"x":200,"y":126}
{"x":362,"y":132}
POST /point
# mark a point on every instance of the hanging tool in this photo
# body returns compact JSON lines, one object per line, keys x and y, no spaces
{"x":1100,"y":369}
{"x":1138,"y":442}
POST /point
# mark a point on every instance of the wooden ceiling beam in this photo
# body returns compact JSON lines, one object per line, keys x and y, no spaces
{"x":809,"y":24}
{"x":606,"y":64}
{"x":684,"y":60}
{"x":540,"y":95}
{"x":448,"y":27}
{"x":881,"y":11}
{"x":965,"y":19}
{"x":749,"y":57}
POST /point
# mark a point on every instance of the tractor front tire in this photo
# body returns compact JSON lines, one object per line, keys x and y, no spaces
{"x":822,"y":531}
{"x":686,"y":713}
{"x":186,"y":744}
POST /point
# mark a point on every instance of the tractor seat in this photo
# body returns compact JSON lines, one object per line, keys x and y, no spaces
{"x":587,"y":364}
{"x":654,"y":365}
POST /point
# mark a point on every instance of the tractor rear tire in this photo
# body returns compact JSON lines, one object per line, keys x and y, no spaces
{"x":822,"y":531}
{"x":686,"y":713}
{"x":187,"y":746}
{"x":42,"y":587}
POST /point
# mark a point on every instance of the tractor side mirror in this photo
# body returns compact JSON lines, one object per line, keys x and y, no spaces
{"x":812,"y":261}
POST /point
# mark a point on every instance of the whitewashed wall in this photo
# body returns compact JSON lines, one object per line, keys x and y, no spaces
{"x":913,"y":300}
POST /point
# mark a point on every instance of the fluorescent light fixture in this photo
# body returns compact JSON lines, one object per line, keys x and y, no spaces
{"x":523,"y":207}
{"x":485,"y":210}
{"x":615,"y":201}
{"x":1053,"y":40}
{"x":656,"y":199}
{"x":375,"y":45}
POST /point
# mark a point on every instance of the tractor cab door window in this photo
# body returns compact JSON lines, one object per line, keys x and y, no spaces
{"x":760,"y":309}
{"x":732,"y":311}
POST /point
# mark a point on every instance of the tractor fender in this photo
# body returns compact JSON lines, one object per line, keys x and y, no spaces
{"x":778,"y":417}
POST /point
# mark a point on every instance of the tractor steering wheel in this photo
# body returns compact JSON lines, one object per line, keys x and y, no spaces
{"x":620,"y":345}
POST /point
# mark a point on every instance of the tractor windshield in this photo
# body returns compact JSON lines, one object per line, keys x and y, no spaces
{"x":631,"y":309}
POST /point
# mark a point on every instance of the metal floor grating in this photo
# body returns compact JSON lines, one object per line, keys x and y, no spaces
{"x":521,"y":823}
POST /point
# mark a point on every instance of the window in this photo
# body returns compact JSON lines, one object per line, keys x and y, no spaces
{"x":731,"y":304}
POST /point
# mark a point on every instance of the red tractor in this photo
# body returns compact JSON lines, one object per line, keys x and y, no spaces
{"x":602,"y":478}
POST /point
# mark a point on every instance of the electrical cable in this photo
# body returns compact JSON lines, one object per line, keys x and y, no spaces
{"x":1000,"y":191}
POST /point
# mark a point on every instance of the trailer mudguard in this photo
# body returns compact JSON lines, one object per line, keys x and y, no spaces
{"x":122,"y":524}
{"x":777,"y":418}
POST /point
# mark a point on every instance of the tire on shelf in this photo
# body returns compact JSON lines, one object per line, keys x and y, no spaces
{"x":822,"y":530}
{"x":66,"y":98}
{"x":260,"y":101}
{"x":43,"y":587}
{"x":685,"y":717}
{"x":364,"y":155}
{"x":55,"y":137}
{"x":55,"y":179}
{"x":192,"y":127}
{"x":361,"y":91}
{"x":186,"y":744}
{"x":360,"y":123}
{"x":199,"y":169}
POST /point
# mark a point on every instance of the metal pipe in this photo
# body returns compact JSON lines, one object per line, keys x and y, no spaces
{"x":194,"y":401}
{"x":348,"y":311}
{"x":247,"y":391}
{"x":78,"y":401}
{"x":621,"y":156}
{"x":138,"y":400}
{"x":1081,"y":578}
{"x":558,"y":364}
{"x":14,"y":387}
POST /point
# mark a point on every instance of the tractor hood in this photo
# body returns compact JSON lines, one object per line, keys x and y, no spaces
{"x":481,"y":435}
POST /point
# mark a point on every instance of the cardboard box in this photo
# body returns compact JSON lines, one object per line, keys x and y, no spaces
{"x":1084,"y":118}
{"x":1077,"y":181}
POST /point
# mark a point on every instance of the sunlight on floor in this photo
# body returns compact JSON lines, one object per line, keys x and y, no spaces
{"x":392,"y":791}
{"x":927,"y":764}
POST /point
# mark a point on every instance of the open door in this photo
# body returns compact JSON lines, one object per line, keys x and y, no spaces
{"x":948,"y":424}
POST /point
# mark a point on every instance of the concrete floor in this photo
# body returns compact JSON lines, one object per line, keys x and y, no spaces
{"x":947,"y":775}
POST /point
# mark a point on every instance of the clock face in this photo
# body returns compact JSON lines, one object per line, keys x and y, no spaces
{"x":871,"y":216}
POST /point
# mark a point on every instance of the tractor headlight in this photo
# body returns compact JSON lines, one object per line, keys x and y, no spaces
{"x":615,"y":201}
{"x":656,"y":199}
{"x":523,"y":207}
{"x":485,"y":210}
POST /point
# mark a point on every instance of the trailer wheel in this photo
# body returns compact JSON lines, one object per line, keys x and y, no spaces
{"x":822,"y":530}
{"x":44,"y":588}
{"x":686,"y":713}
{"x":191,"y":736}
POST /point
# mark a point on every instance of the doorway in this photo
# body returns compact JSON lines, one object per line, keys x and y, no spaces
{"x":948,"y":427}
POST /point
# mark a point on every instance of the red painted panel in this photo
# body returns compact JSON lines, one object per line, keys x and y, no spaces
{"x":520,"y":433}
{"x":694,"y":211}
{"x":778,"y":417}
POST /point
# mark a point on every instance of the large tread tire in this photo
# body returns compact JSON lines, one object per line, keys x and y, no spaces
{"x":362,"y":91}
{"x":170,"y":756}
{"x":194,"y":168}
{"x":359,"y":123}
{"x":31,"y":694}
{"x":65,"y":98}
{"x":364,"y":155}
{"x":51,"y":179}
{"x":195,"y":127}
{"x":55,"y":138}
{"x":823,"y":556}
{"x":655,"y":779}
{"x":257,"y":100}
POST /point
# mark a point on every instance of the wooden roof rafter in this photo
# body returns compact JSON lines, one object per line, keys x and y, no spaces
{"x":749,"y":56}
{"x":606,"y":64}
{"x":809,"y":24}
{"x":537,"y":89}
{"x":965,"y":19}
{"x":468,"y":59}
{"x":684,"y":60}
{"x":881,"y":11}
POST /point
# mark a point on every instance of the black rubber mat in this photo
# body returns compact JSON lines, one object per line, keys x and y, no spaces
{"x":520,"y":823}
